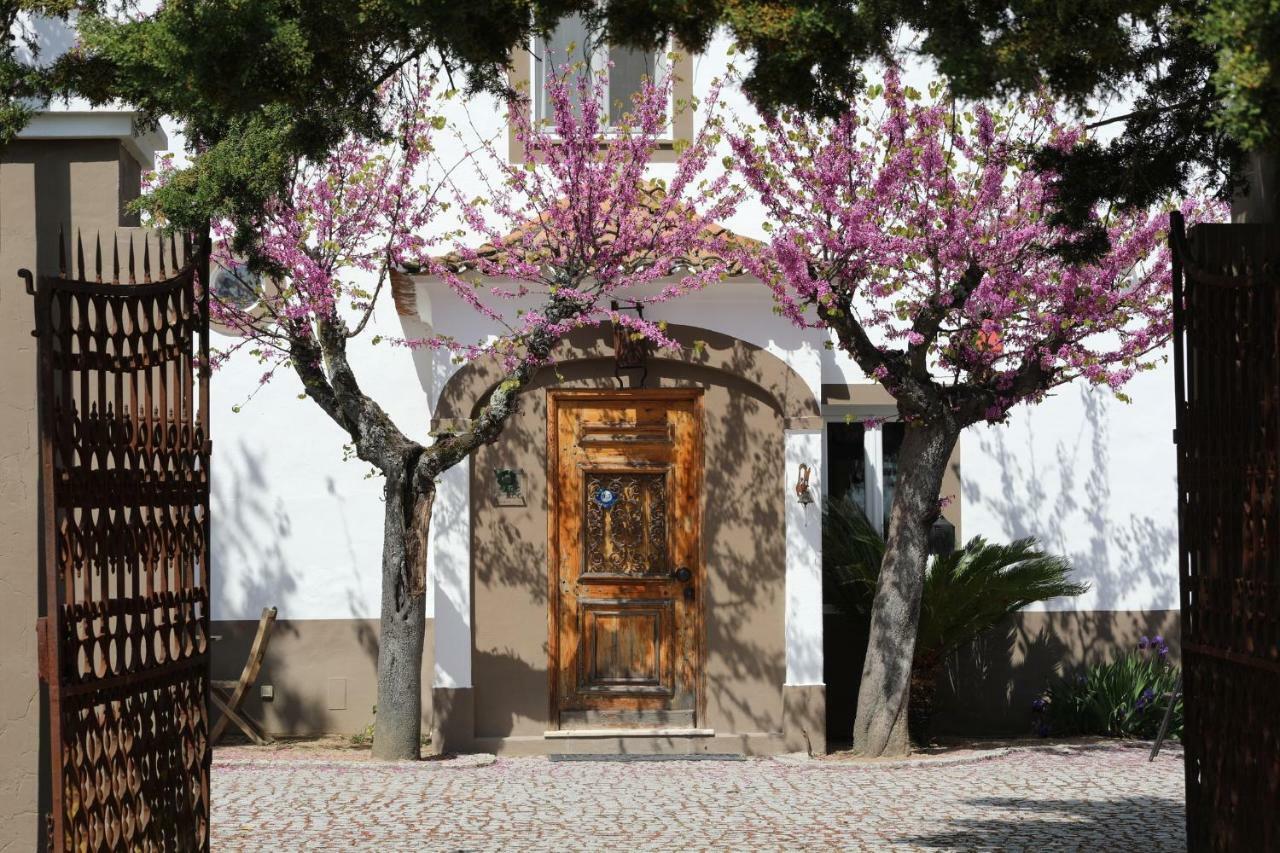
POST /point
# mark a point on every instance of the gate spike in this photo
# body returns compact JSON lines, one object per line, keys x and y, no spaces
{"x":62,"y":252}
{"x":97,"y":256}
{"x":80,"y":254}
{"x":115,"y":257}
{"x":146,"y":258}
{"x":132,"y":279}
{"x":173,"y":253}
{"x":160,"y":252}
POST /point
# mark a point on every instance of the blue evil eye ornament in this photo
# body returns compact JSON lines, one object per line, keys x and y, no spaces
{"x":606,"y":498}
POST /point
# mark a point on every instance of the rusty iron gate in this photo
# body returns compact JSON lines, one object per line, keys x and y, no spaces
{"x":1227,"y":381}
{"x":124,"y":514}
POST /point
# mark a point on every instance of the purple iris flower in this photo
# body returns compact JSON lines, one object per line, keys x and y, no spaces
{"x":1144,"y":643}
{"x":1038,"y":704}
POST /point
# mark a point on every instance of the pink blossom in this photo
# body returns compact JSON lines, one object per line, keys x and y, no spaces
{"x":918,"y":233}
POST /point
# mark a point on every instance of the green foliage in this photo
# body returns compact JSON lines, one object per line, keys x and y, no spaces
{"x":965,"y":592}
{"x":1125,"y":698}
{"x":259,"y":84}
{"x":1244,"y":36}
{"x":23,"y":82}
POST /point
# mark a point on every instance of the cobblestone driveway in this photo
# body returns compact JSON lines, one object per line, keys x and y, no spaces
{"x":1100,"y":798}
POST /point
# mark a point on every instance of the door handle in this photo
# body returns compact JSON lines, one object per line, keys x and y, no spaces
{"x":683,"y":574}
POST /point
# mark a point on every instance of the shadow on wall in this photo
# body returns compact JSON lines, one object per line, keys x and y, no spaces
{"x":249,"y":534}
{"x":323,"y":670}
{"x":987,"y":687}
{"x":744,"y":531}
{"x":1118,"y":554}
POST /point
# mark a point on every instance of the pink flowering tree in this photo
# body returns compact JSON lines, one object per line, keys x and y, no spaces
{"x":919,"y":236}
{"x":575,"y":229}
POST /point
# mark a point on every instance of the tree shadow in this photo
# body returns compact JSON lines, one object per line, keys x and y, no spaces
{"x":1112,"y":823}
{"x":319,"y":686}
{"x":1118,"y":550}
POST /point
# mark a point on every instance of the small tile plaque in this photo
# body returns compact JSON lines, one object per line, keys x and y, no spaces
{"x":508,"y":487}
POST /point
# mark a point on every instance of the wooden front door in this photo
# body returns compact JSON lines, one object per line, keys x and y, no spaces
{"x":625,"y":557}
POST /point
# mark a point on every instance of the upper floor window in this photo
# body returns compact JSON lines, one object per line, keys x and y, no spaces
{"x":574,"y":44}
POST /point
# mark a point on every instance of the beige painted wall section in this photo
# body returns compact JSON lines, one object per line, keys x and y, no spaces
{"x":78,"y":184}
{"x":745,"y":566}
{"x":324,"y":673}
{"x":987,"y":687}
{"x":19,"y":701}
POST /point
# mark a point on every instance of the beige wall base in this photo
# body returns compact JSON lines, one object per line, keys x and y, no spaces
{"x":986,"y":688}
{"x":324,"y":673}
{"x":804,"y":718}
{"x":454,"y":728}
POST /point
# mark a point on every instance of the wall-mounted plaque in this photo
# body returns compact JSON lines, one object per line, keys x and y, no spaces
{"x":508,"y":487}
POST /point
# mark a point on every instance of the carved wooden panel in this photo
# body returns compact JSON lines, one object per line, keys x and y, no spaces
{"x":626,"y":523}
{"x":628,"y":646}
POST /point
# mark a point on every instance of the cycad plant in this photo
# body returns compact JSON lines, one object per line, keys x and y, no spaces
{"x":966,"y":592}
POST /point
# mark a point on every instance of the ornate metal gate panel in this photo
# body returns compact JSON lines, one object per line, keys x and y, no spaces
{"x":124,"y":456}
{"x":1227,"y":381}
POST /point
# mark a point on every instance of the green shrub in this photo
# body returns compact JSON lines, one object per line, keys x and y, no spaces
{"x":1124,"y":698}
{"x":966,"y":592}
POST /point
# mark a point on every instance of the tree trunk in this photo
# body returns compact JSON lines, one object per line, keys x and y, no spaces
{"x":397,"y":733}
{"x":924,"y":686}
{"x":880,"y":727}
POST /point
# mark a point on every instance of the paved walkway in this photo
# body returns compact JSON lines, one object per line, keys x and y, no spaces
{"x":1099,"y":798}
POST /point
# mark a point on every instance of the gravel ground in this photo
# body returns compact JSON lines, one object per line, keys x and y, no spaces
{"x":1100,"y":797}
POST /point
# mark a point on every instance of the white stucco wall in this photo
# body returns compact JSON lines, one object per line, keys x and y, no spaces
{"x":1095,"y":480}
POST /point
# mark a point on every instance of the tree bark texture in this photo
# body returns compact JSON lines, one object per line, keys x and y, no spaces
{"x":880,"y":727}
{"x":319,"y":357}
{"x":397,"y":731}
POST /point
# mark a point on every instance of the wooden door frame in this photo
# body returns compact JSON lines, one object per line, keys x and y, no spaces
{"x":621,"y":395}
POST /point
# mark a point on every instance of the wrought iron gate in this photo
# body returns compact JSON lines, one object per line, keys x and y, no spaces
{"x":1227,"y":381}
{"x":124,"y":513}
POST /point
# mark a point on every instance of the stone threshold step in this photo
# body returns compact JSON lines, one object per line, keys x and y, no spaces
{"x":611,"y":733}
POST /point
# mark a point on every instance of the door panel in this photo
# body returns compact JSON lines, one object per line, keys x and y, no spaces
{"x":626,"y":562}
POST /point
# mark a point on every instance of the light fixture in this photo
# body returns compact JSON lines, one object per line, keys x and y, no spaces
{"x":942,"y":537}
{"x":803,"y":493}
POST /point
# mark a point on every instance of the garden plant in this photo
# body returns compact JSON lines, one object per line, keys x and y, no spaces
{"x":966,"y":592}
{"x":1126,"y":698}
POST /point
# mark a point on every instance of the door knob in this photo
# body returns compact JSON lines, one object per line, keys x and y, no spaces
{"x":683,"y":574}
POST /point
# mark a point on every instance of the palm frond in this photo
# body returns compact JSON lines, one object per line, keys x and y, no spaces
{"x":965,"y":593}
{"x":852,"y":552}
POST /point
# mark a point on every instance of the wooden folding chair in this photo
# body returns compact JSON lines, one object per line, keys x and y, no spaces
{"x":228,"y":695}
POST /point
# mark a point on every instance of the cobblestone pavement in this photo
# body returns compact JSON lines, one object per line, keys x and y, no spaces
{"x":1097,"y":798}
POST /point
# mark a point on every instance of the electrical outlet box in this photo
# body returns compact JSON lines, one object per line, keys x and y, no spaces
{"x":266,"y":692}
{"x":336,"y":693}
